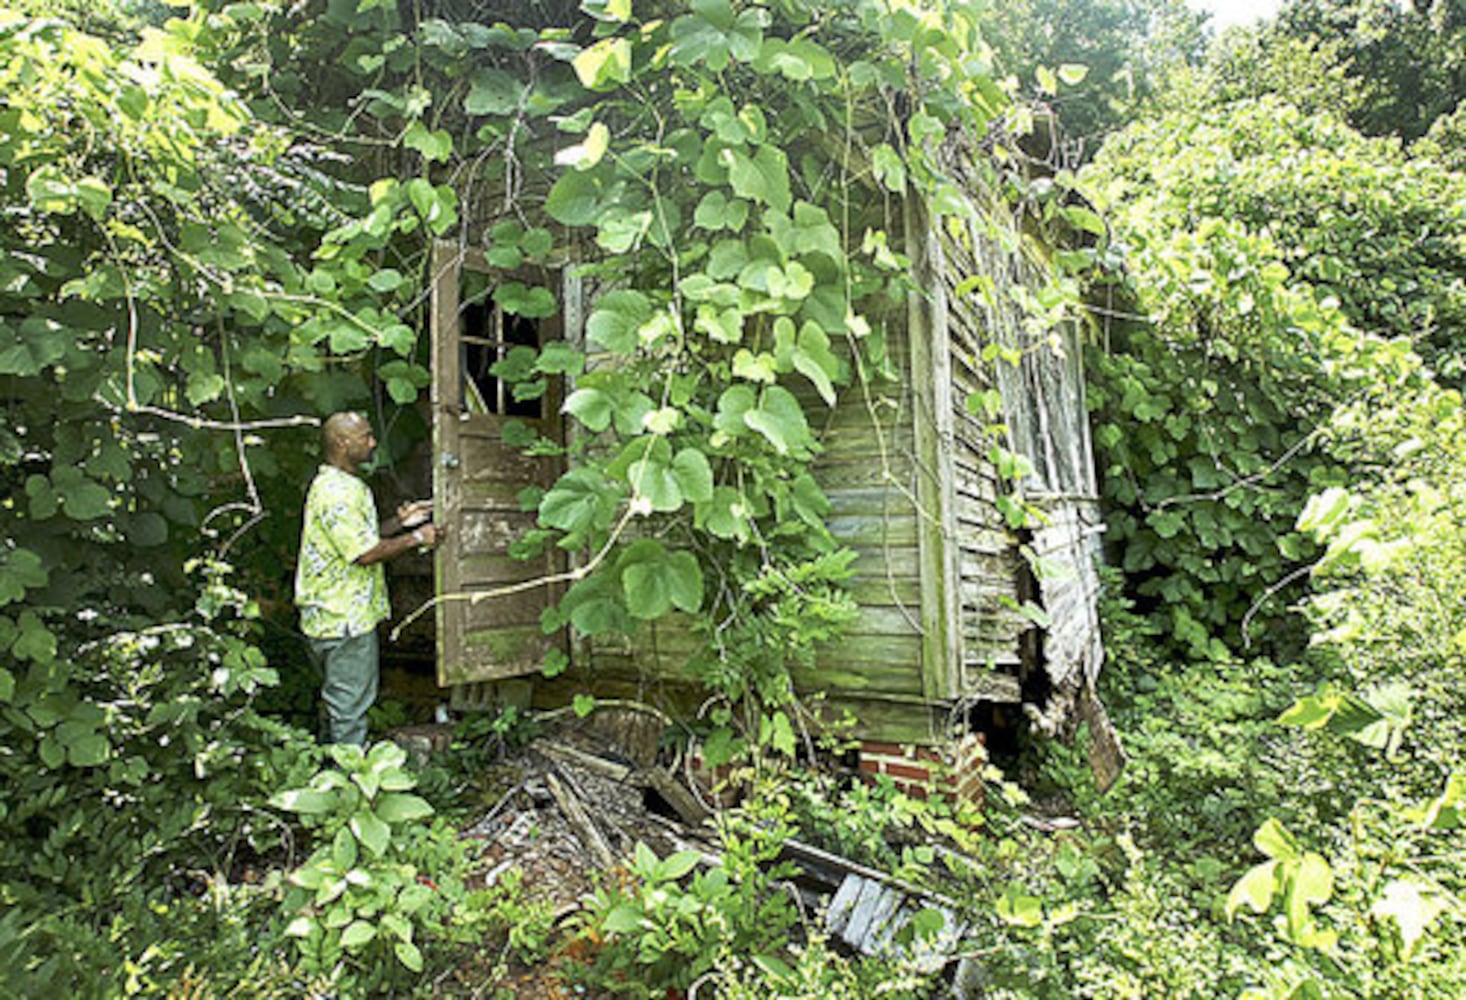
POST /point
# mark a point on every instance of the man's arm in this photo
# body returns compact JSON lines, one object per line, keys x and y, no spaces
{"x":426,"y":536}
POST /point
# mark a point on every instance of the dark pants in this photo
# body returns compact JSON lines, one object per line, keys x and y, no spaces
{"x":349,"y":687}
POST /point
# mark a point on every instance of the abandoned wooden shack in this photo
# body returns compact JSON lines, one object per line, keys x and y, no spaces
{"x":965,"y":620}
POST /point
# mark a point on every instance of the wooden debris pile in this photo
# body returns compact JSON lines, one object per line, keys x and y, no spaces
{"x":578,"y":807}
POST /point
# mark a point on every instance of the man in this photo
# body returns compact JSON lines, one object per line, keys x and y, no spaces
{"x":340,"y":586}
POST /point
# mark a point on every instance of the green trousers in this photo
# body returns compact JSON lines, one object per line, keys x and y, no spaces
{"x":349,"y":685}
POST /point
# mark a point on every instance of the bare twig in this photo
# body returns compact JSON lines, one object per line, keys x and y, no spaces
{"x":569,"y":576}
{"x":1266,"y":596}
{"x":1246,"y":481}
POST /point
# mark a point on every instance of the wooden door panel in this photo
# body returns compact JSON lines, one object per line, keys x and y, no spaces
{"x":488,"y":460}
{"x":523,"y":608}
{"x":479,"y":479}
{"x":490,"y":532}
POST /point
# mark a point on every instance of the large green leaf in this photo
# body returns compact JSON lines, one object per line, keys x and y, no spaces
{"x":358,"y":934}
{"x":619,"y":230}
{"x":39,"y":342}
{"x":492,"y":92}
{"x":693,"y":474}
{"x":581,"y":501}
{"x":591,"y":407}
{"x":594,"y":606}
{"x":725,"y":514}
{"x":717,"y":211}
{"x":398,"y":807}
{"x":780,"y":419}
{"x":1255,"y":889}
{"x":733,"y":407}
{"x":304,"y":800}
{"x":34,"y":641}
{"x":576,"y":198}
{"x":434,"y":145}
{"x":656,"y":580}
{"x":798,"y":60}
{"x":653,"y":480}
{"x":373,"y":833}
{"x":714,"y":35}
{"x":604,"y":65}
{"x":763,"y":177}
{"x":1276,"y":842}
{"x":722,"y":325}
{"x":519,"y":299}
{"x":808,"y":353}
{"x":85,"y":746}
{"x":617,"y":318}
{"x":409,"y":955}
{"x":20,"y":570}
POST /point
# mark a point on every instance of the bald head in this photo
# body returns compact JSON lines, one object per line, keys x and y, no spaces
{"x":347,"y":439}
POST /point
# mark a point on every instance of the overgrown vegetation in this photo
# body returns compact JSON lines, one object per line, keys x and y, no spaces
{"x":218,"y":229}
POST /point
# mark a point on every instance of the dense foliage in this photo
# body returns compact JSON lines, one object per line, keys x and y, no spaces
{"x":1211,"y":419}
{"x":1405,"y":58}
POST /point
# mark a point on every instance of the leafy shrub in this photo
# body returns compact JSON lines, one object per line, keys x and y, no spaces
{"x":136,"y":777}
{"x":1212,"y":419}
{"x":1391,"y":614}
{"x":651,"y":933}
{"x":379,"y":882}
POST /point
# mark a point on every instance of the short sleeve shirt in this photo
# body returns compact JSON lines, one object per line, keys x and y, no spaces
{"x":336,"y":597}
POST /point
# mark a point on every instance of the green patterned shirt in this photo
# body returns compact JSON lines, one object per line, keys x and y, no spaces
{"x":336,"y":597}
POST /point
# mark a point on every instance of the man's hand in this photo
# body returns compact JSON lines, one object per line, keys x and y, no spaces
{"x":413,"y":513}
{"x":428,"y":536}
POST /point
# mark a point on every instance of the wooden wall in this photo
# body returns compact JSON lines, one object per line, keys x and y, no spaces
{"x":989,"y":566}
{"x":868,"y":471}
{"x":912,"y":486}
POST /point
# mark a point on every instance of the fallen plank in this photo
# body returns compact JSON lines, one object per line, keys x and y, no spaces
{"x":807,"y":855}
{"x":591,"y":762}
{"x":580,"y":821}
{"x":870,"y":909}
{"x":677,"y":795}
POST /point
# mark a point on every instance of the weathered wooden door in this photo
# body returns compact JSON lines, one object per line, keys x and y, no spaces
{"x":489,"y":603}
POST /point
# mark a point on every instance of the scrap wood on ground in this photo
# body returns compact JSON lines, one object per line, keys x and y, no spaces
{"x":576,"y":805}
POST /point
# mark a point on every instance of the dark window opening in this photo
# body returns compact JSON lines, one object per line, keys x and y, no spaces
{"x":519,"y":331}
{"x":477,"y":355}
{"x":486,"y":335}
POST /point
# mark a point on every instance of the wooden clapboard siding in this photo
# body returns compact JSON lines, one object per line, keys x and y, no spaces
{"x":866,"y":467}
{"x":987,"y":566}
{"x":929,"y":333}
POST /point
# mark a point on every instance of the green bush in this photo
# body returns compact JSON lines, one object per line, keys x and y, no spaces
{"x":135,"y":781}
{"x":1211,"y":419}
{"x":381,"y":884}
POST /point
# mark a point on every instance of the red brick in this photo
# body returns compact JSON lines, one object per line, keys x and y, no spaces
{"x":915,"y":773}
{"x":869,"y":766}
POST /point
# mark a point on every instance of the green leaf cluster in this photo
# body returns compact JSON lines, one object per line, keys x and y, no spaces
{"x":1213,"y":419}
